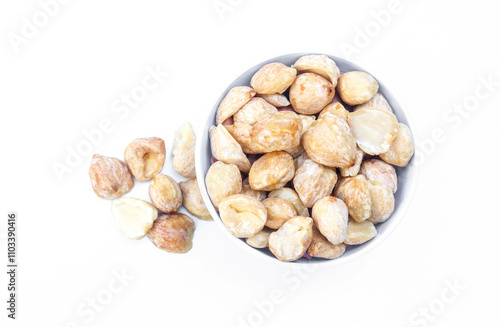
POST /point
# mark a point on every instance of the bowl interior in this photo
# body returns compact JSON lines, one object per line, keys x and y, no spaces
{"x":406,"y":176}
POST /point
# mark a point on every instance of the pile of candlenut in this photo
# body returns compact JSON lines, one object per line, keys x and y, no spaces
{"x":144,"y":158}
{"x":301,"y":170}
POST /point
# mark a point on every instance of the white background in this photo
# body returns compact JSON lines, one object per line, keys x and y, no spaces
{"x":63,"y":81}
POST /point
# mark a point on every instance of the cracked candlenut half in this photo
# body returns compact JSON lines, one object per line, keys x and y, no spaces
{"x":314,"y":142}
{"x":133,"y":217}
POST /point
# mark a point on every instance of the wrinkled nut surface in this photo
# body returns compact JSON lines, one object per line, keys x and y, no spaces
{"x":377,"y":101}
{"x":313,"y":181}
{"x":293,"y":198}
{"x":277,"y":100}
{"x":319,"y":64}
{"x":280,"y":131}
{"x":271,"y":171}
{"x":247,"y":190}
{"x":172,"y":233}
{"x":192,"y":200}
{"x":278,"y":212}
{"x":133,"y":217}
{"x":260,"y":240}
{"x":330,"y":142}
{"x":382,"y":202}
{"x":145,"y":157}
{"x":236,"y":98}
{"x":241,"y":133}
{"x":402,"y":148}
{"x":336,"y":109}
{"x":291,"y":241}
{"x":110,"y":177}
{"x":222,"y":180}
{"x":330,"y":215}
{"x":354,"y":170}
{"x":273,"y":78}
{"x":253,"y":111}
{"x":165,"y":193}
{"x":307,"y":121}
{"x":310,"y":93}
{"x":356,"y":87}
{"x":321,"y":248}
{"x":226,"y":149}
{"x":355,"y":193}
{"x":374,"y":129}
{"x":183,"y":151}
{"x":359,"y":233}
{"x":378,"y":170}
{"x":243,"y":215}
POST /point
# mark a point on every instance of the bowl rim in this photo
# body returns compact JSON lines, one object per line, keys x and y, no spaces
{"x":394,"y":221}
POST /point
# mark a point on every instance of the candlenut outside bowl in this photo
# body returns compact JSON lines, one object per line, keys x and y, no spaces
{"x":407,"y":176}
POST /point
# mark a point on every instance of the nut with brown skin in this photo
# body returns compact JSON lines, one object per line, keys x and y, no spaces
{"x":192,"y":200}
{"x":378,"y":170}
{"x":271,"y":171}
{"x":243,"y":215}
{"x":310,"y":93}
{"x":359,"y":233}
{"x":313,"y":181}
{"x":278,"y":212}
{"x":291,"y":241}
{"x":320,"y":247}
{"x":183,"y":151}
{"x":330,"y":216}
{"x":356,"y":87}
{"x":172,"y":233}
{"x":226,"y":149}
{"x":236,"y":98}
{"x":402,"y":148}
{"x":133,"y":217}
{"x":355,"y":193}
{"x":319,"y":64}
{"x":165,"y":193}
{"x":279,"y":131}
{"x":260,"y":240}
{"x":273,"y":78}
{"x":110,"y":177}
{"x":291,"y":196}
{"x":222,"y":180}
{"x":145,"y":157}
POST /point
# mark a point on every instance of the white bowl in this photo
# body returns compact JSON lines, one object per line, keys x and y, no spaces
{"x":407,"y":176}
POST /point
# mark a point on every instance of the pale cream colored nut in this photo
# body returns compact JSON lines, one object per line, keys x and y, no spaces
{"x":222,"y":180}
{"x":280,"y":131}
{"x":382,"y":202}
{"x":322,"y":248}
{"x":165,"y":193}
{"x":307,"y":121}
{"x":273,"y":78}
{"x":226,"y":149}
{"x":241,"y":133}
{"x":402,"y":148}
{"x":378,"y":170}
{"x":377,"y":101}
{"x":293,"y":198}
{"x":260,"y":240}
{"x":354,"y":170}
{"x":133,"y":217}
{"x":243,"y":215}
{"x":291,"y":241}
{"x":236,"y":98}
{"x":356,"y":87}
{"x":253,"y":111}
{"x":330,"y":216}
{"x":271,"y":171}
{"x":247,"y":190}
{"x":374,"y":129}
{"x":277,"y":100}
{"x":173,"y":233}
{"x":145,"y":157}
{"x":299,"y":161}
{"x":336,"y":109}
{"x":319,"y":64}
{"x":359,"y":233}
{"x":355,"y":193}
{"x":330,"y":142}
{"x":310,"y":93}
{"x":110,"y":177}
{"x":192,"y":200}
{"x":183,"y":151}
{"x":313,"y":181}
{"x":278,"y":212}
